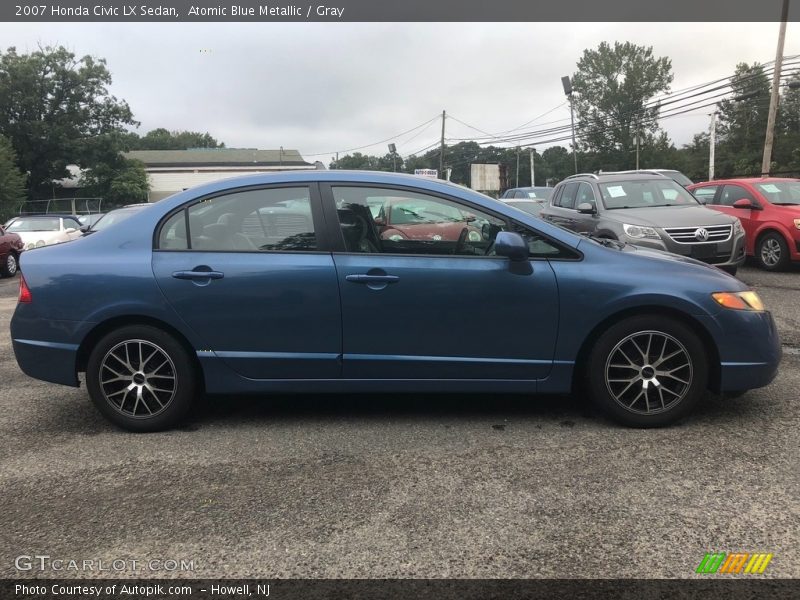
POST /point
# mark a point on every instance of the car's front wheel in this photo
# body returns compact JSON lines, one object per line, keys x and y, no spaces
{"x":141,"y":378}
{"x":772,"y":252}
{"x":647,"y":371}
{"x":10,"y":265}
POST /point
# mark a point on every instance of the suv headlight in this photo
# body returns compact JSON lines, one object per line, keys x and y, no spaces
{"x":737,"y":226}
{"x":639,"y":232}
{"x":739,"y":300}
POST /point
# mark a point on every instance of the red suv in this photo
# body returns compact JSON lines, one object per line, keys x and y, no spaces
{"x":10,"y":248}
{"x":769,"y":209}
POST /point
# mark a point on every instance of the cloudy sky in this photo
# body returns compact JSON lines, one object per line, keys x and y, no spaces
{"x":323,"y":88}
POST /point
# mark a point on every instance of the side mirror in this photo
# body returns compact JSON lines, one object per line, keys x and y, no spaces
{"x":469,"y":217}
{"x":70,"y":230}
{"x":85,"y":228}
{"x":379,"y":221}
{"x":586,"y":209}
{"x":744,"y":203}
{"x":511,"y":245}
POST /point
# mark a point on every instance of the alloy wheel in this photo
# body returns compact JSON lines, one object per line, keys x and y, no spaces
{"x":770,"y":252}
{"x":11,"y":265}
{"x":648,"y":372}
{"x":138,"y":378}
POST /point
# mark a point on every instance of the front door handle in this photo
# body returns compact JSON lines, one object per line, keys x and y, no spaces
{"x":364,"y":278}
{"x":198,"y":275}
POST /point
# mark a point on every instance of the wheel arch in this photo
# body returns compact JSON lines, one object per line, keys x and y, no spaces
{"x":109,"y":325}
{"x":656,"y":311}
{"x":767,"y":229}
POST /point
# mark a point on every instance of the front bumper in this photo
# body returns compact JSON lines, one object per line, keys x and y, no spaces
{"x":730,"y":253}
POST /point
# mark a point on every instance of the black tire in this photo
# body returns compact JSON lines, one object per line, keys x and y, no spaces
{"x":661,"y":400}
{"x":772,"y":252}
{"x":167,"y":405}
{"x":10,"y":265}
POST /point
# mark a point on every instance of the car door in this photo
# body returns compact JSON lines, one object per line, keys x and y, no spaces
{"x":436,"y":308}
{"x":561,"y":211}
{"x":725,"y":200}
{"x":249,"y":273}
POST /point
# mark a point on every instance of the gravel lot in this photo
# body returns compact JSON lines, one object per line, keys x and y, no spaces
{"x":365,"y":486}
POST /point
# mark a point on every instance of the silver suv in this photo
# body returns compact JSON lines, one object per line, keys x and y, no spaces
{"x":648,"y":210}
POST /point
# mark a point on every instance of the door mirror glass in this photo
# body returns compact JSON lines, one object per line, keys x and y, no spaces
{"x":511,"y":245}
{"x":585,"y":208}
{"x":743,"y":203}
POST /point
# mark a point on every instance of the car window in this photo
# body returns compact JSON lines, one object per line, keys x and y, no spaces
{"x":274,"y":219}
{"x":585,"y":195}
{"x":706,"y":193}
{"x":644,"y":193}
{"x":38,"y":224}
{"x":781,"y":192}
{"x":567,"y":198}
{"x":437,"y":226}
{"x":732,"y":193}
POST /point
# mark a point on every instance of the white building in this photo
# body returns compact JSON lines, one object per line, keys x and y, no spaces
{"x":171,"y":171}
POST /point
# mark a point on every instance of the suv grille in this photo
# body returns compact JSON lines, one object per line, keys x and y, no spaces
{"x":689,"y":235}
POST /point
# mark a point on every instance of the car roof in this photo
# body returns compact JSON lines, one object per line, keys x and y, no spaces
{"x":611,"y":177}
{"x":748,"y":180}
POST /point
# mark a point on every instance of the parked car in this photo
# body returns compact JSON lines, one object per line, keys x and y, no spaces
{"x":164,"y":307}
{"x":87,"y":221}
{"x":769,"y":209}
{"x":532,"y":207}
{"x":418,"y":218}
{"x":112,"y":217}
{"x":650,"y":211}
{"x":676,"y":176}
{"x":44,"y":230}
{"x":11,"y":247}
{"x":526,"y":193}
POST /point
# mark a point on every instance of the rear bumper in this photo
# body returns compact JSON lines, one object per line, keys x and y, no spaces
{"x":48,"y":361}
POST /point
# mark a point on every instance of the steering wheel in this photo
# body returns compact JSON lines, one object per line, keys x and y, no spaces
{"x":462,"y":241}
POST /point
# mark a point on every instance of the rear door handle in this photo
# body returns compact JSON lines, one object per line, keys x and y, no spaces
{"x":198,"y":275}
{"x":364,"y":278}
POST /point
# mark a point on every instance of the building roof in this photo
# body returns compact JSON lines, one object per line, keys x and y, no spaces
{"x":223,"y":157}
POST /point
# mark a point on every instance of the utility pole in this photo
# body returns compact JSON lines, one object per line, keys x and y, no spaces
{"x":712,"y":142}
{"x":441,"y":153}
{"x":773,"y":100}
{"x":637,"y":150}
{"x":572,"y":121}
{"x":533,"y":181}
{"x":517,"y":184}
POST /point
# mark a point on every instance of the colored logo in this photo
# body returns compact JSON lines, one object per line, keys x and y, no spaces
{"x":735,"y":562}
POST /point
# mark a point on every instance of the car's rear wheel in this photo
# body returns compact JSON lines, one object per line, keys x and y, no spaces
{"x":141,"y":378}
{"x":772,"y":252}
{"x":647,"y":371}
{"x":10,"y":265}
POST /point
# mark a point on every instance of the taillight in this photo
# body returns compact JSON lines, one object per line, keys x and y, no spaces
{"x":24,"y":291}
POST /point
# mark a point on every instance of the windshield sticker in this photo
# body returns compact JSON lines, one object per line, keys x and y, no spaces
{"x":770,"y":188}
{"x":616,"y":191}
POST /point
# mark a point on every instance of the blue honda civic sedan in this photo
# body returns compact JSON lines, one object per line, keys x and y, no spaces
{"x":337,"y":281}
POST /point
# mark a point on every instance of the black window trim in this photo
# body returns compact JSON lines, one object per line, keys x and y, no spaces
{"x":337,"y":239}
{"x":317,"y":218}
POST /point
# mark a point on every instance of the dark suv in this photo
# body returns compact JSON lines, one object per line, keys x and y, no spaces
{"x":648,"y":210}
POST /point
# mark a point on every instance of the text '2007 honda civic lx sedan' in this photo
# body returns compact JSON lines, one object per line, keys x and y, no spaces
{"x":284,"y":283}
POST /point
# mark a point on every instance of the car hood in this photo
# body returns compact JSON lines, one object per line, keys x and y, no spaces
{"x":669,"y":216}
{"x":792,"y":209}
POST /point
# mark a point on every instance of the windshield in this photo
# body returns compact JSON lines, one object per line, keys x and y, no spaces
{"x":781,"y":192}
{"x":648,"y":193}
{"x":539,"y":192}
{"x":115,"y":216}
{"x":47,"y":224}
{"x":678,"y":176}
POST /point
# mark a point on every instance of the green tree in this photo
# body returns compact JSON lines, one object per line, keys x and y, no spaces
{"x":613,"y":87}
{"x":163,"y":139}
{"x":743,"y":122}
{"x":118,"y":182}
{"x":12,"y":181}
{"x":51,"y":103}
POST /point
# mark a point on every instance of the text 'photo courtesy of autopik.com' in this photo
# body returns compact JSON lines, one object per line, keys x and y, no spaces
{"x":430,"y":299}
